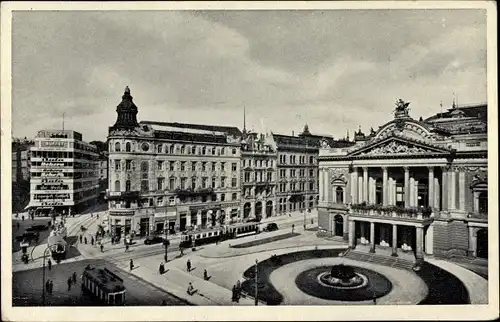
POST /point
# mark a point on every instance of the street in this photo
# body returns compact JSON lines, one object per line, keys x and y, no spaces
{"x":27,"y":287}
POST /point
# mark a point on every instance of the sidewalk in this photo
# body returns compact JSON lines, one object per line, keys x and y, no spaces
{"x":176,"y":282}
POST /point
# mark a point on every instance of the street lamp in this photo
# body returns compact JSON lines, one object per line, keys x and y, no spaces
{"x":43,"y":274}
{"x":256,"y":284}
{"x":166,"y":242}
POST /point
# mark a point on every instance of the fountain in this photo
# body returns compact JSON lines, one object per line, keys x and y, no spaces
{"x":342,"y":276}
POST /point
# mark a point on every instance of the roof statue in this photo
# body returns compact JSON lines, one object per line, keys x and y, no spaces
{"x":401,"y":109}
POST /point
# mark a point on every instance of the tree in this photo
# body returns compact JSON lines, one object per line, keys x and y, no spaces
{"x":101,"y":146}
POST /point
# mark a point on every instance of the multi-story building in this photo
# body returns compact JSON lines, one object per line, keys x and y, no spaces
{"x":258,"y":176}
{"x":412,"y":186}
{"x":102,"y":167}
{"x":21,"y":164}
{"x":297,"y":170}
{"x":170,"y":175}
{"x":64,"y":175}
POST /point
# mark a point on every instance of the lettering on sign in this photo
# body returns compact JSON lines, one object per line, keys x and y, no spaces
{"x":54,"y":144}
{"x":53,"y":159}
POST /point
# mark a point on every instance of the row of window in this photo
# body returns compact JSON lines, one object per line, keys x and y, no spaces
{"x":182,"y":183}
{"x":61,"y":155}
{"x":175,"y":165}
{"x":176,"y":149}
{"x":292,"y":159}
{"x":258,"y":163}
{"x":293,"y":173}
{"x":302,"y":186}
{"x":259,"y":176}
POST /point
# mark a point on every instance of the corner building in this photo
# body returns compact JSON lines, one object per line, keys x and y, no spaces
{"x":416,"y":187}
{"x":64,"y":174}
{"x":171,"y":176}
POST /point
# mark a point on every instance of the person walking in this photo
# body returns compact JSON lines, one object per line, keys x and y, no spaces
{"x":49,"y":263}
{"x":81,"y":239}
{"x":102,"y":248}
{"x":293,"y":227}
{"x":164,"y":303}
{"x":47,"y":286}
{"x":126,"y":248}
{"x":74,"y":278}
{"x":131,"y":264}
{"x":188,"y":265}
{"x":205,"y":275}
{"x":51,"y":286}
{"x":69,"y":284}
{"x":17,"y":225}
{"x":92,"y":240}
{"x":22,"y":217}
{"x":233,"y":298}
{"x":85,"y":240}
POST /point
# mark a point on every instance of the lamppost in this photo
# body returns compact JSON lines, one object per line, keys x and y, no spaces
{"x":43,"y":275}
{"x":256,"y":283}
{"x":166,"y":242}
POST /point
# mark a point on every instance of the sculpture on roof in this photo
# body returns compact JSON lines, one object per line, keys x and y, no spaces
{"x":402,"y":109}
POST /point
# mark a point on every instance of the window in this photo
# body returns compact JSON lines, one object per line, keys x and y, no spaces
{"x":183,"y":149}
{"x":233,"y":167}
{"x":172,"y":165}
{"x":301,"y":173}
{"x":193,"y":183}
{"x":213,"y":166}
{"x":203,"y":150}
{"x":144,"y":166}
{"x":339,"y":195}
{"x":222,"y":151}
{"x":127,"y":185}
{"x":117,"y":185}
{"x":222,"y":197}
{"x":171,"y":149}
{"x":213,"y":182}
{"x":269,"y":176}
{"x":160,"y":165}
{"x":171,"y":183}
{"x":193,"y":166}
{"x":247,"y":176}
{"x":234,"y":151}
{"x":222,"y":166}
{"x":193,"y":150}
{"x":400,"y":195}
{"x":128,"y":147}
{"x":311,"y":159}
{"x":204,"y":182}
{"x":311,"y":185}
{"x":144,"y":185}
{"x":160,"y":183}
{"x":203,"y":166}
{"x":183,"y":165}
{"x":234,"y":196}
{"x":117,"y":147}
{"x":213,"y":150}
{"x":223,"y":182}
{"x":117,"y":165}
{"x":233,"y":182}
{"x":183,"y":183}
{"x":159,"y":148}
{"x":311,"y":172}
{"x":204,"y":199}
{"x":483,"y":202}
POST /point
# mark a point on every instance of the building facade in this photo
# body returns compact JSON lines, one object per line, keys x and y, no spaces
{"x":258,"y":176}
{"x":297,"y":170}
{"x":64,"y":174}
{"x":171,"y":176}
{"x":417,"y":187}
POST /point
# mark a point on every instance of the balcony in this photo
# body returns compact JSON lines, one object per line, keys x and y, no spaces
{"x":122,"y":195}
{"x":182,"y":193}
{"x":418,"y":214}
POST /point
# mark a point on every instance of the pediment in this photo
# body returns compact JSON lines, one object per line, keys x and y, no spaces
{"x":398,"y":146}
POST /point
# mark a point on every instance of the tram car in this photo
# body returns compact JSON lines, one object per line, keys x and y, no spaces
{"x":58,"y":246}
{"x":208,"y":236}
{"x":103,"y":286}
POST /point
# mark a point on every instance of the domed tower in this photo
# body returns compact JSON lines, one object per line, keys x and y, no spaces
{"x":306,"y":130}
{"x":127,"y":113}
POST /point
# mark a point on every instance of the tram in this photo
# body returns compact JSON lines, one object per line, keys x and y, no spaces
{"x":103,"y":285}
{"x":212,"y":235}
{"x":57,"y":242}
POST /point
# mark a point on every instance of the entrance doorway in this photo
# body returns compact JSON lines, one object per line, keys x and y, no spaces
{"x":482,"y":243}
{"x":339,"y":225}
{"x":258,"y":209}
{"x":269,"y":208}
{"x":246,"y":210}
{"x":182,"y":223}
{"x":144,"y":227}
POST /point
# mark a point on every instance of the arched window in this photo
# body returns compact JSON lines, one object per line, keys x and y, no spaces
{"x":339,"y":195}
{"x":144,"y":166}
{"x":311,"y":159}
{"x":203,"y":150}
{"x":183,"y":149}
{"x":234,"y":196}
{"x":127,"y":185}
{"x":127,"y":147}
{"x":117,"y":147}
{"x":159,"y":148}
{"x":171,"y":149}
{"x":193,"y":149}
{"x":117,"y":185}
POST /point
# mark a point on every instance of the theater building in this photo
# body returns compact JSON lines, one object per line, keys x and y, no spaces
{"x":170,"y":175}
{"x":258,"y":176}
{"x":64,"y":175}
{"x":413,"y":186}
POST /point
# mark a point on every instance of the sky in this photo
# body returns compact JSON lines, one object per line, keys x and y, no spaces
{"x":336,"y":70}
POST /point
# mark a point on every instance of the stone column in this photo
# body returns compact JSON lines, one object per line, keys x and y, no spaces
{"x":321,"y":186}
{"x":188,"y":220}
{"x":412,"y":192}
{"x":362,"y":227}
{"x":419,"y":254}
{"x":354,"y":186}
{"x":370,"y":188}
{"x":444,"y":189}
{"x":334,"y":225}
{"x":394,"y":240}
{"x":360,"y":189}
{"x":365,"y":184}
{"x":472,"y":242}
{"x":385,"y":187}
{"x":372,"y":237}
{"x":431,"y":187}
{"x":198,"y":218}
{"x":476,"y":202}
{"x":461,"y":191}
{"x":407,"y":186}
{"x":328,"y":188}
{"x":451,"y":190}
{"x":437,"y":194}
{"x":352,"y":235}
{"x":415,"y":194}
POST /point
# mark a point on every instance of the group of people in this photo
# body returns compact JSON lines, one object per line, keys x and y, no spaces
{"x":236,"y":292}
{"x":71,"y":281}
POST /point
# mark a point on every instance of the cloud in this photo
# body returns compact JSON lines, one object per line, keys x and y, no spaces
{"x":334,"y":70}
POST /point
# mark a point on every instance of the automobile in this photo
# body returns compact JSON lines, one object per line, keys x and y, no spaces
{"x":153,"y":240}
{"x":37,"y":228}
{"x":271,"y":227}
{"x":27,"y":236}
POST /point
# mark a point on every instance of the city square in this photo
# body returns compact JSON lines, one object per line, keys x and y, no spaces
{"x":251,"y":159}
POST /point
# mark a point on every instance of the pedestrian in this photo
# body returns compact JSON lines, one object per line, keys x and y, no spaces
{"x":190,"y":289}
{"x":126,"y":248}
{"x":92,"y":240}
{"x":233,"y":298}
{"x":74,"y":278}
{"x":22,"y":217}
{"x":112,"y":240}
{"x":51,"y":286}
{"x":164,"y":303}
{"x":102,"y":248}
{"x":91,"y":214}
{"x":97,"y":216}
{"x":312,"y":221}
{"x":85,"y":240}
{"x":188,"y":265}
{"x":69,"y":284}
{"x":81,"y":239}
{"x":182,"y":251}
{"x":293,"y":227}
{"x":205,"y":275}
{"x":47,"y":286}
{"x":131,"y":264}
{"x":50,"y":264}
{"x":17,"y":224}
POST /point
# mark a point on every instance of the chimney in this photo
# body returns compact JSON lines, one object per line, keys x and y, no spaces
{"x":293,"y":133}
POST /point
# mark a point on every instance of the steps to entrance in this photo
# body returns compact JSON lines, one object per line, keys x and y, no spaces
{"x":380,"y":259}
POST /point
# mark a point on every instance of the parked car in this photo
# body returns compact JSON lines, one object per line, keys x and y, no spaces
{"x":28,"y":236}
{"x":153,"y":240}
{"x":271,"y":227}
